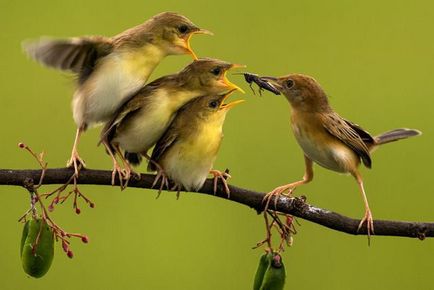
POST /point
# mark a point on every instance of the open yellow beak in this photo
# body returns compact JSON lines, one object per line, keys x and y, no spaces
{"x":187,"y":41}
{"x":231,"y":104}
{"x":231,"y":85}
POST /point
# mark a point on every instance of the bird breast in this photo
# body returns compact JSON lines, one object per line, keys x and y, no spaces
{"x":116,"y":78}
{"x":190,"y":160}
{"x":323,"y":148}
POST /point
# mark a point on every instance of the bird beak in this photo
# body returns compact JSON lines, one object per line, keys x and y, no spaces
{"x":202,"y":31}
{"x":273,"y":81}
{"x":187,"y":40}
{"x":231,"y":104}
{"x":229,"y":84}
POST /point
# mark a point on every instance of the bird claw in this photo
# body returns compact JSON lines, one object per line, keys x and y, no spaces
{"x":369,"y":224}
{"x":280,"y":190}
{"x":164,"y":181}
{"x":76,"y":162}
{"x":223,"y":176}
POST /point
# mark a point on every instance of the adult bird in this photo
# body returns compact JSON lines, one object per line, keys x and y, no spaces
{"x":328,"y":139}
{"x":187,"y":150}
{"x":142,"y":120}
{"x":110,"y":69}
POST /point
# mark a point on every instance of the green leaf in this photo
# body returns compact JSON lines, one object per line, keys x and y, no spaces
{"x":37,"y":258}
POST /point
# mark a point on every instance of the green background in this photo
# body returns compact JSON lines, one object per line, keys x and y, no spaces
{"x":375,"y":60}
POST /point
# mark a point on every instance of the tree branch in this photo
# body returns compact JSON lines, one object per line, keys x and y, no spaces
{"x":294,"y":206}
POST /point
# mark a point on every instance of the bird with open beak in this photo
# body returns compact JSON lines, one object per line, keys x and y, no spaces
{"x":328,"y":139}
{"x":142,"y":120}
{"x":110,"y":69}
{"x":187,"y":150}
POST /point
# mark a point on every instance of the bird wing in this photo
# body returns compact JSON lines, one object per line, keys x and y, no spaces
{"x":78,"y":55}
{"x":131,"y":106}
{"x":366,"y":137}
{"x":350,"y":134}
{"x":168,"y":139}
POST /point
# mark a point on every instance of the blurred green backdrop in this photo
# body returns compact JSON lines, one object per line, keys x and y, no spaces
{"x":374,"y":58}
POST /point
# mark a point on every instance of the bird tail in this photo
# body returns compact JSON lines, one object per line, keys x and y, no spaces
{"x":395,"y":135}
{"x":133,"y":158}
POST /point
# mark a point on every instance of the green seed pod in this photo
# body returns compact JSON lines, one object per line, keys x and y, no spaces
{"x":264,"y":261}
{"x":37,"y":256}
{"x":274,"y":277}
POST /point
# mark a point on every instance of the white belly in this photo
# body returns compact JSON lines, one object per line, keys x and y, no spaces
{"x":335,"y":157}
{"x":107,"y":88}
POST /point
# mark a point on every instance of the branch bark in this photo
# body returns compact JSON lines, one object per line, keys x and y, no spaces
{"x":294,"y":206}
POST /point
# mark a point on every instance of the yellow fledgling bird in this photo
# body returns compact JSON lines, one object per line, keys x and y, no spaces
{"x":142,"y":120}
{"x":328,"y":139}
{"x":187,"y":150}
{"x":110,"y":69}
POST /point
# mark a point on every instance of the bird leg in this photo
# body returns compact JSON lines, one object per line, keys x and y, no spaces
{"x":222,"y":176}
{"x":290,"y":187}
{"x":127,"y":167}
{"x":161,"y":174}
{"x":368,"y":214}
{"x":117,"y":169}
{"x":76,"y":160}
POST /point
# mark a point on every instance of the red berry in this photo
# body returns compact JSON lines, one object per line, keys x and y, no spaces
{"x":77,"y":211}
{"x":85,"y":239}
{"x":65,"y":246}
{"x":70,"y":254}
{"x":21,"y":145}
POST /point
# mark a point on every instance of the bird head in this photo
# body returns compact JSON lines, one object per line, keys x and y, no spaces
{"x":302,"y":91}
{"x":212,"y":108}
{"x":172,"y":32}
{"x":209,"y":76}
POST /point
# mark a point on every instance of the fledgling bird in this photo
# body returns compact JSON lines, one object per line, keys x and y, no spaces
{"x":328,"y":139}
{"x":142,"y":120}
{"x":110,"y":69}
{"x":187,"y":150}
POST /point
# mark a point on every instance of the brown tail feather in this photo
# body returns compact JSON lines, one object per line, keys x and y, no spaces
{"x":395,"y":135}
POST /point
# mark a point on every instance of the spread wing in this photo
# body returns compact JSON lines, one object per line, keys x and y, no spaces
{"x":350,"y":134}
{"x":78,"y":55}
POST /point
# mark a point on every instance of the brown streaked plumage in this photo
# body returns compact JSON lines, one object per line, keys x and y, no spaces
{"x":328,"y":139}
{"x":110,"y":69}
{"x":141,"y":121}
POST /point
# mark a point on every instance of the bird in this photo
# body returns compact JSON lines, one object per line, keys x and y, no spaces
{"x":187,"y":150}
{"x":328,"y":139}
{"x":111,"y":69}
{"x":143,"y":119}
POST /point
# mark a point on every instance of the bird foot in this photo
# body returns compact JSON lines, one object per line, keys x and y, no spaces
{"x":369,"y":224}
{"x":117,"y":170}
{"x":285,"y":190}
{"x":222,"y":176}
{"x":164,"y":181}
{"x":76,"y":162}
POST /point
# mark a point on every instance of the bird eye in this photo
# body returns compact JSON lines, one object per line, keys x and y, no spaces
{"x":183,"y":29}
{"x":213,"y":104}
{"x":216,"y":71}
{"x":289,"y":83}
